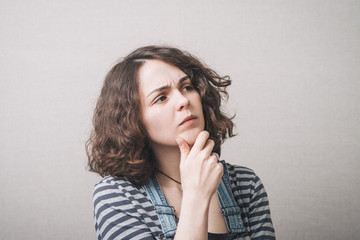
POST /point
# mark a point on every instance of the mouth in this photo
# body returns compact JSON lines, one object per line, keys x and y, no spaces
{"x":187,"y":119}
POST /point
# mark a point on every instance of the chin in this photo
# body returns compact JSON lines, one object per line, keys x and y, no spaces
{"x":190,"y":137}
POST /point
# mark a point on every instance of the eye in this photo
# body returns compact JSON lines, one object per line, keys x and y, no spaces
{"x":188,"y":88}
{"x":160,"y":99}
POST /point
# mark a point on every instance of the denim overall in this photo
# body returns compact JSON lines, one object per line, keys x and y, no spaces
{"x":166,"y":213}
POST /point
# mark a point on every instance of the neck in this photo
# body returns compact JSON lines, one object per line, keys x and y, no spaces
{"x":167,"y":161}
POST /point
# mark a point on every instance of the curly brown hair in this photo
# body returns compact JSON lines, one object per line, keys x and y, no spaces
{"x":119,"y":144}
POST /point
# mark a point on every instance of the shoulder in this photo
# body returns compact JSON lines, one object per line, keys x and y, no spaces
{"x":120,"y":185}
{"x":110,"y":186}
{"x":245,"y":183}
{"x":239,"y":169}
{"x":252,"y":199}
{"x":123,"y":211}
{"x":120,"y":194}
{"x":241,"y":175}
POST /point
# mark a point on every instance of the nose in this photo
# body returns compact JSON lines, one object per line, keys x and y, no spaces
{"x":182,"y":102}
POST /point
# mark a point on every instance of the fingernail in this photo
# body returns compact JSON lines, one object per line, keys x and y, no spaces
{"x":179,"y":142}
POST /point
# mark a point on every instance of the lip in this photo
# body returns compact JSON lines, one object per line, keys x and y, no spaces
{"x":188,"y":118}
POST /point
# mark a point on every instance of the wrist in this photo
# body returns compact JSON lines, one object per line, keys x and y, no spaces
{"x":202,"y":196}
{"x":196,"y":202}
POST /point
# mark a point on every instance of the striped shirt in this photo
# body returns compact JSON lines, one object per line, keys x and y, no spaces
{"x":122,"y":210}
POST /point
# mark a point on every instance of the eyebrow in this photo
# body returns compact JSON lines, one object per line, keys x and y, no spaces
{"x":181,"y":80}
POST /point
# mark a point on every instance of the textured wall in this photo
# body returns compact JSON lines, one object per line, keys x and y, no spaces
{"x":296,"y":83}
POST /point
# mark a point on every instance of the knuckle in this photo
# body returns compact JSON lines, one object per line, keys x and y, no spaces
{"x":215,"y":155}
{"x":205,"y":134}
{"x":211,"y":141}
{"x":212,"y":161}
{"x":203,"y":156}
{"x":214,"y":158}
{"x":219,"y":168}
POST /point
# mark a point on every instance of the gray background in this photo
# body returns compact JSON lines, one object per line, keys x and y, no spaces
{"x":295,"y":70}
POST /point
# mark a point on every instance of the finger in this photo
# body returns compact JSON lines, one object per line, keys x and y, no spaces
{"x":216,"y":155}
{"x":215,"y":166}
{"x":213,"y":162}
{"x":220,"y":168}
{"x":213,"y":159}
{"x":209,"y":146}
{"x":201,"y":140}
{"x":184,"y":148}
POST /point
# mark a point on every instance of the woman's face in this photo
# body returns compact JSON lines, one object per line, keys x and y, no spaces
{"x":171,"y":106}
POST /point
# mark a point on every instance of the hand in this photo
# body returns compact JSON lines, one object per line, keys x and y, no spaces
{"x":200,"y":170}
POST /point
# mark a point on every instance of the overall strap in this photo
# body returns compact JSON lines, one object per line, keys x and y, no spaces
{"x":165,"y":212}
{"x":229,"y":207}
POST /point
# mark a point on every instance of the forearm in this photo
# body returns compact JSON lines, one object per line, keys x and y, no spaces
{"x":200,"y":175}
{"x":193,"y":222}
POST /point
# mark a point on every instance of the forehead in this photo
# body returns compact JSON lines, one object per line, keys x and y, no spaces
{"x":154,"y":74}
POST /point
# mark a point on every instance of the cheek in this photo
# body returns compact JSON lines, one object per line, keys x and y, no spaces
{"x":155,"y":123}
{"x":197,"y":100}
{"x":149,"y":122}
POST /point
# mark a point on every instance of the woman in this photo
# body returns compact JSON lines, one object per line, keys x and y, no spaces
{"x":157,"y":135}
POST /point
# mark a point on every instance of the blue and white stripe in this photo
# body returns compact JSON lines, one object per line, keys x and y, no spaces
{"x":123,"y":210}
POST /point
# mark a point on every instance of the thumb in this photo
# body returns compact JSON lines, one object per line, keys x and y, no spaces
{"x":184,"y":148}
